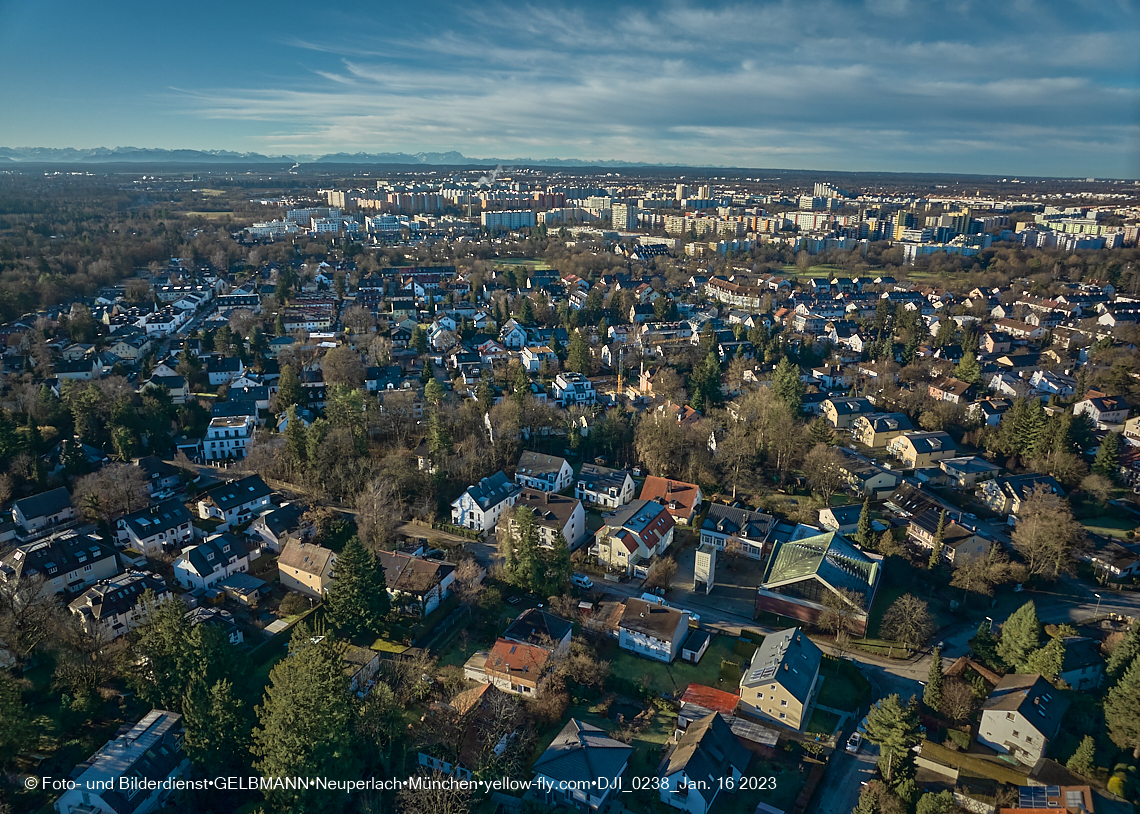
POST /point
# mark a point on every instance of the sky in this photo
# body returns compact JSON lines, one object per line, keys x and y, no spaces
{"x":1017,"y":88}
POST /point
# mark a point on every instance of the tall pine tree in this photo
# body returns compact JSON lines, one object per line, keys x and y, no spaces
{"x":1122,"y":710}
{"x":939,"y":542}
{"x":1107,"y":462}
{"x":358,"y":600}
{"x":865,"y":533}
{"x":1020,"y":637}
{"x":787,"y":385}
{"x":932,"y":695}
{"x":1124,"y":653}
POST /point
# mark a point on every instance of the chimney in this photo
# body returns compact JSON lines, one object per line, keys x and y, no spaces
{"x":668,"y":487}
{"x":546,"y":498}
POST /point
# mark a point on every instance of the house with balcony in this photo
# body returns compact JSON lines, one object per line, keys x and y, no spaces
{"x":1021,"y":717}
{"x":44,"y":511}
{"x":554,"y":514}
{"x":111,"y":608}
{"x":574,"y":388}
{"x":228,"y":437}
{"x":162,"y":527}
{"x":694,"y":773}
{"x":416,"y":585}
{"x":842,"y":412}
{"x":482,"y":504}
{"x":211,"y":561}
{"x":782,"y":680}
{"x":581,"y":769}
{"x":683,"y":500}
{"x":235,"y":501}
{"x":749,"y":530}
{"x":959,"y":543}
{"x":631,"y":537}
{"x":876,"y":429}
{"x":67,"y":562}
{"x":921,"y":449}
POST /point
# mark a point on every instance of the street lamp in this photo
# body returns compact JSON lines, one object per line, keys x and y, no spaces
{"x":990,"y":619}
{"x":1095,"y":612}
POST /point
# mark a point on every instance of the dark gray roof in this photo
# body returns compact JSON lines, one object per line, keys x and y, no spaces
{"x":534,"y":463}
{"x":55,"y":556}
{"x":852,"y":406}
{"x":492,"y":490}
{"x":109,"y":597}
{"x":788,"y":658}
{"x":284,"y":519}
{"x":1038,"y":701}
{"x":535,"y":626}
{"x":581,"y":752}
{"x":214,"y":553}
{"x":707,"y":752}
{"x":744,"y":523}
{"x":235,"y":493}
{"x":599,"y":478}
{"x":150,"y":750}
{"x":161,"y":517}
{"x":45,"y":503}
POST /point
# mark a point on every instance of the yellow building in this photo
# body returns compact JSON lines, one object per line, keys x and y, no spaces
{"x":306,"y":568}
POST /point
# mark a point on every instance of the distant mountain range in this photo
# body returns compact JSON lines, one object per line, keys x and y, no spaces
{"x":110,"y":155}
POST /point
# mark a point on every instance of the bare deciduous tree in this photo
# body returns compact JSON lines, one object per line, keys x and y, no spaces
{"x":116,"y":489}
{"x":958,"y":700}
{"x":907,"y":620}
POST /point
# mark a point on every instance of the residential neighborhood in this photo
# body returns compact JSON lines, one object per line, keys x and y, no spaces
{"x":736,"y":496}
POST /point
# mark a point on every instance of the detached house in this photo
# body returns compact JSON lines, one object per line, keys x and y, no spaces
{"x":416,"y":583}
{"x":751,"y":529}
{"x":67,"y":561}
{"x":546,"y":473}
{"x":235,"y":501}
{"x":876,"y":429}
{"x":42,"y":511}
{"x":959,"y":544}
{"x":481,"y":505}
{"x":602,"y":486}
{"x":782,"y":679}
{"x":126,"y":775}
{"x":652,"y":630}
{"x":581,"y":768}
{"x":553,"y":515}
{"x":632,"y":536}
{"x":683,"y":500}
{"x":165,"y":526}
{"x":842,"y":412}
{"x":694,"y":772}
{"x":306,"y":568}
{"x":920,"y":449}
{"x":1105,"y":412}
{"x":1021,"y":716}
{"x":111,"y":607}
{"x":211,"y":561}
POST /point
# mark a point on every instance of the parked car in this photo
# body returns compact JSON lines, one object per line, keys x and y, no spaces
{"x":582,"y":581}
{"x":854,"y":742}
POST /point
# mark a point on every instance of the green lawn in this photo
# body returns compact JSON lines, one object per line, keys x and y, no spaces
{"x":822,"y":723}
{"x":533,"y":262}
{"x":647,"y":744}
{"x":844,"y":686}
{"x":1109,"y":526}
{"x":672,"y":679}
{"x":789,"y":783}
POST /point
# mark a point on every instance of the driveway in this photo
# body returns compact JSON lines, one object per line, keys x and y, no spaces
{"x":844,"y":779}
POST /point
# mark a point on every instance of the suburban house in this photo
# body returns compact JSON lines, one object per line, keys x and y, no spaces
{"x":211,"y":561}
{"x":968,"y":470}
{"x":632,"y":536}
{"x":864,"y":476}
{"x":581,"y":768}
{"x":919,"y":449}
{"x":751,"y":529}
{"x":108,"y":781}
{"x":541,"y":629}
{"x":843,"y":519}
{"x":876,"y":429}
{"x":782,"y":679}
{"x":273,"y":528}
{"x":842,"y":412}
{"x":683,"y":500}
{"x":693,"y":773}
{"x":959,"y":543}
{"x":481,"y":505}
{"x":1021,"y":716}
{"x":228,"y":437}
{"x":952,"y":390}
{"x":652,"y":630}
{"x":475,"y":713}
{"x":159,"y":474}
{"x":360,"y":666}
{"x":544,"y":473}
{"x":1104,"y":411}
{"x":602,"y":486}
{"x":802,"y":574}
{"x":1083,"y":667}
{"x":1005,"y":495}
{"x":165,"y":526}
{"x":306,"y":568}
{"x":573,"y":388}
{"x":67,"y":561}
{"x":416,"y":584}
{"x":42,"y":511}
{"x":235,"y":501}
{"x":511,"y":666}
{"x":554,"y":514}
{"x":212,"y":615}
{"x":110,"y":608}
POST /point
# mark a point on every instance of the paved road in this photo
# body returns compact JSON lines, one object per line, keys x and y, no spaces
{"x":844,"y":780}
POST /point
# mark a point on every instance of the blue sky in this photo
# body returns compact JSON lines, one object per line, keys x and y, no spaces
{"x":1020,"y":87}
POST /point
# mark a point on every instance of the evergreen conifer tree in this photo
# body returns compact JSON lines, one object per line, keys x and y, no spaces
{"x":932,"y":695}
{"x":1020,"y":637}
{"x":1083,"y":761}
{"x":939,"y":542}
{"x":1107,"y":462}
{"x":358,"y":600}
{"x":865,"y":533}
{"x":1122,"y":710}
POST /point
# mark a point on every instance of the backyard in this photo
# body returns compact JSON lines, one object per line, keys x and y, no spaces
{"x":844,"y":686}
{"x":672,"y":679}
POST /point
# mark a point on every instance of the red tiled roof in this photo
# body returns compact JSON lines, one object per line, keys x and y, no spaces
{"x":517,"y":660}
{"x":710,"y":698}
{"x":667,"y":489}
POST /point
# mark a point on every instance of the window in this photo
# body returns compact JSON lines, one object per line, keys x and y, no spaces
{"x":783,"y":703}
{"x":783,"y":716}
{"x":1016,"y":734}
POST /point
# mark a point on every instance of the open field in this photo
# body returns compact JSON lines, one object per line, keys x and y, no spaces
{"x":210,"y":215}
{"x":532,"y":262}
{"x":1109,"y":526}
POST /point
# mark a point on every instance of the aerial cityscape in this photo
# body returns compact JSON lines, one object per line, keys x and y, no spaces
{"x":514,"y":410}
